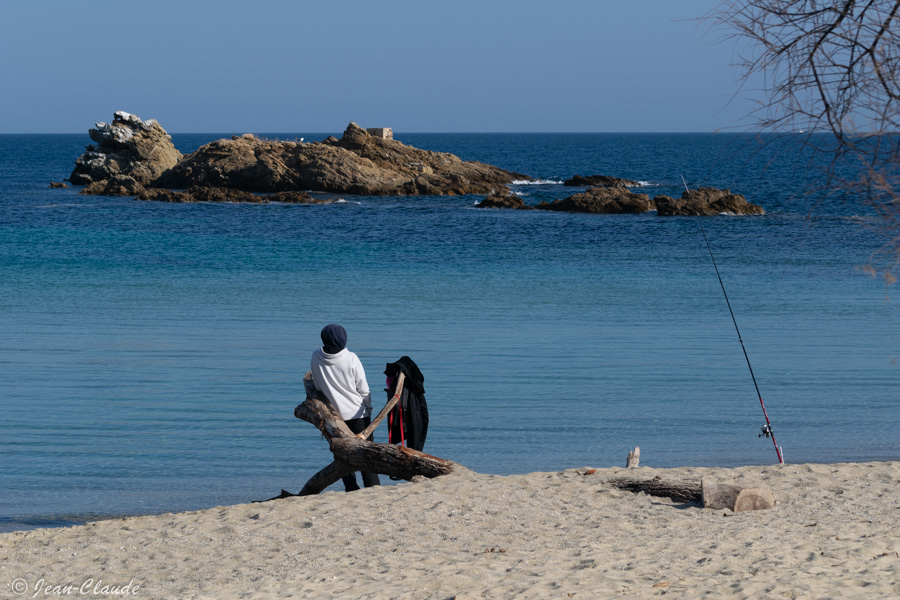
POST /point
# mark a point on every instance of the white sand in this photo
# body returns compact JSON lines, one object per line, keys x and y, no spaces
{"x":833,"y":534}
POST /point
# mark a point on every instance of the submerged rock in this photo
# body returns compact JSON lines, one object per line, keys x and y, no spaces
{"x":600,"y":181}
{"x":128,"y":147}
{"x":503,"y":200}
{"x":614,"y":200}
{"x":705,"y":202}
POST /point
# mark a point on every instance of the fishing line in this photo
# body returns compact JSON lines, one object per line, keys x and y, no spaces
{"x":767,"y":428}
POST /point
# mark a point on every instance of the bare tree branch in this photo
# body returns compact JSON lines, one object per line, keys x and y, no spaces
{"x":830,"y":66}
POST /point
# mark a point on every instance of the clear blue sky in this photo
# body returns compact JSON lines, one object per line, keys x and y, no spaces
{"x":414,"y":65}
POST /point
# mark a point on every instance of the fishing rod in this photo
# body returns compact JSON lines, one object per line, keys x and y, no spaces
{"x":767,"y":428}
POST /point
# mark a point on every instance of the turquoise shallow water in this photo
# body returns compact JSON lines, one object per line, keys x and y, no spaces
{"x":151,"y":354}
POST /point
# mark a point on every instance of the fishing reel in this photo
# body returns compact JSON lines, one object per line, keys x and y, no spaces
{"x":766,"y":431}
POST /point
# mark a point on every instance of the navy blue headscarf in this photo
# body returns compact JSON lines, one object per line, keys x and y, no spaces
{"x":334,"y":338}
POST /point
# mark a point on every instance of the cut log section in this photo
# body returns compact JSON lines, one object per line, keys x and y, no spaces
{"x":734,"y":498}
{"x":754,"y":499}
{"x":718,"y":495}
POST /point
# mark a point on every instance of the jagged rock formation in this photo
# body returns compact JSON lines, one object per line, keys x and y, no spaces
{"x":218,"y":194}
{"x":614,"y":200}
{"x":705,"y":202}
{"x":599,"y":181}
{"x":503,"y":200}
{"x":358,"y":163}
{"x":128,"y":154}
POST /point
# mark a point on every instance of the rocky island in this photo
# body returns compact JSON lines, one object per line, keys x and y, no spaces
{"x":131,"y":157}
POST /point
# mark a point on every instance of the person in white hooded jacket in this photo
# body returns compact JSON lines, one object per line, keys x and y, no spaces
{"x":340,"y":376}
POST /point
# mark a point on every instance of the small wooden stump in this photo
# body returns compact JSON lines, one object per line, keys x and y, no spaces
{"x":634,"y":458}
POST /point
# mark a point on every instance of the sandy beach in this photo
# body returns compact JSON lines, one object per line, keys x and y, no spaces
{"x":832,"y":534}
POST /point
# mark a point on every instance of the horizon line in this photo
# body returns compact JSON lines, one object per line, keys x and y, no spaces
{"x":327,"y":133}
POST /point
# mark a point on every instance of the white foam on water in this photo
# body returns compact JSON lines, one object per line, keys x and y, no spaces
{"x":536,"y":182}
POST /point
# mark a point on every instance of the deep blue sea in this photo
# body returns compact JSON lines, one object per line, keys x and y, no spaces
{"x":151,"y":354}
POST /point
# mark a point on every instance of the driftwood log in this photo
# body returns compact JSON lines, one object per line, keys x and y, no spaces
{"x":708,"y":493}
{"x":354,"y":452}
{"x":676,"y":490}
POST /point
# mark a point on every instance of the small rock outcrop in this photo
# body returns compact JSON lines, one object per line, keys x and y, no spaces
{"x":114,"y":185}
{"x":127,"y":148}
{"x":619,"y":200}
{"x":614,"y":200}
{"x":599,"y":181}
{"x":58,"y":185}
{"x":705,"y":202}
{"x":218,"y":194}
{"x":503,"y":200}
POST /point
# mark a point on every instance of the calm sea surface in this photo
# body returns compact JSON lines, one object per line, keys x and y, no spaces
{"x":151,"y":353}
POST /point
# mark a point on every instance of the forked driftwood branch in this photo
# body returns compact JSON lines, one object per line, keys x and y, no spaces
{"x":354,"y":452}
{"x":401,"y":379}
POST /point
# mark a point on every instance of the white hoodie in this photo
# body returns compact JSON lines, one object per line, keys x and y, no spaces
{"x":343,"y":381}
